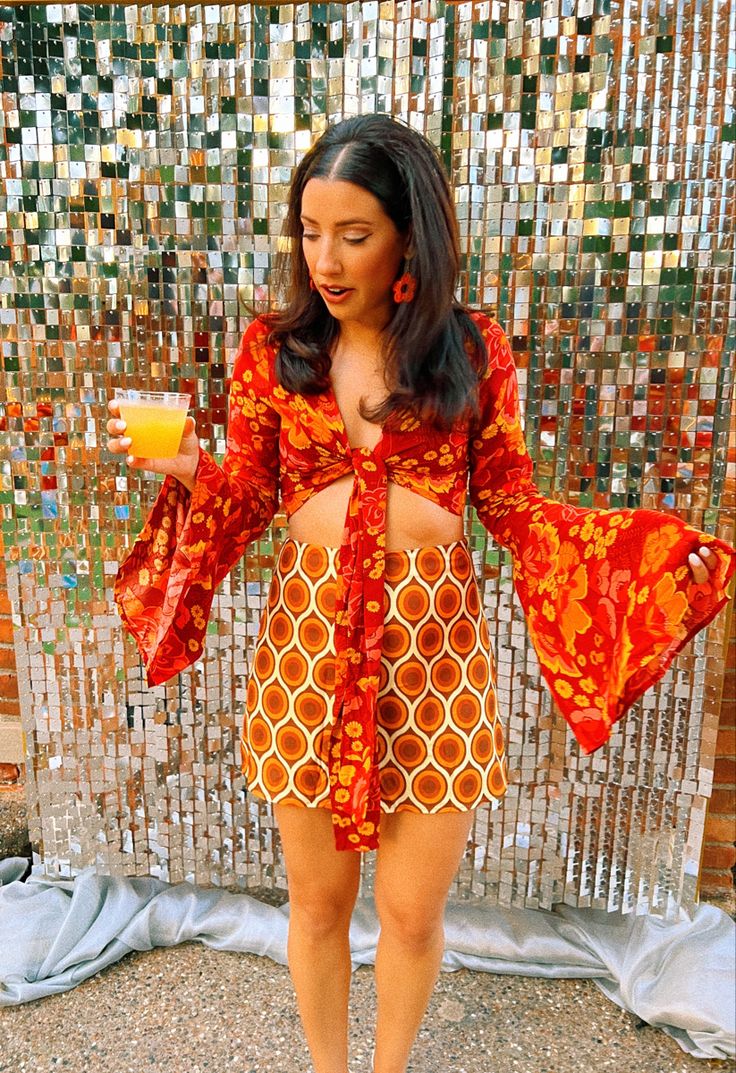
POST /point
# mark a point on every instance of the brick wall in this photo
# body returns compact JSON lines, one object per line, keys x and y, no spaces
{"x":11,"y":741}
{"x":719,"y":854}
{"x":718,"y":868}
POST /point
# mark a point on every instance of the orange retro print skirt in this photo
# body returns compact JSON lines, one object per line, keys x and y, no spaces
{"x":440,"y":740}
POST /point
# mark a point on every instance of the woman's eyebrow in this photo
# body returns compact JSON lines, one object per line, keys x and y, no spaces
{"x":340,"y":223}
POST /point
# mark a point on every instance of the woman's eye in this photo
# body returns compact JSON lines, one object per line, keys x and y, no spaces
{"x":310,"y":236}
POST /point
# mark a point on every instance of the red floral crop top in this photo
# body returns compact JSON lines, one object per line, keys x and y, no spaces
{"x":608,"y":595}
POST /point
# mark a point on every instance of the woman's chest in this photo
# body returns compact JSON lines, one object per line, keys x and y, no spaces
{"x":356,"y":390}
{"x":318,"y":432}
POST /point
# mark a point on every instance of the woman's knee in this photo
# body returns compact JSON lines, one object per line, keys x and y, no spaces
{"x":321,"y":911}
{"x":414,"y":924}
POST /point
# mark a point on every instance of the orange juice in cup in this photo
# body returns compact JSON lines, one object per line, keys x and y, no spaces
{"x":154,"y":421}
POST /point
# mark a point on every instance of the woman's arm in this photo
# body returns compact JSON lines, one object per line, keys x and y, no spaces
{"x":193,"y":538}
{"x":610,"y":596}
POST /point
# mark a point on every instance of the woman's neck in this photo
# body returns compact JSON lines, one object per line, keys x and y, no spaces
{"x":360,"y":338}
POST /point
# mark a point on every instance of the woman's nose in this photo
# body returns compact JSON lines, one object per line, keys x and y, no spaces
{"x":328,"y":261}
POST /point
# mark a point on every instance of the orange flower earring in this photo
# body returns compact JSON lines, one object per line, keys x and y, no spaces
{"x":405,"y":288}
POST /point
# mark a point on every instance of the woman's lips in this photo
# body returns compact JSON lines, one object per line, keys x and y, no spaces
{"x":339,"y":295}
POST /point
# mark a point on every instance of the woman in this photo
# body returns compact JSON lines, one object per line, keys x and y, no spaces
{"x":368,"y":404}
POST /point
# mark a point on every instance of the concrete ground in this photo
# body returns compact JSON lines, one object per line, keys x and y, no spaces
{"x":190,"y":1009}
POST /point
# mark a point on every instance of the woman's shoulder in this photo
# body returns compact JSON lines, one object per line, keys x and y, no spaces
{"x":496,"y":343}
{"x":487,"y":325}
{"x":258,"y":331}
{"x":255,"y":359}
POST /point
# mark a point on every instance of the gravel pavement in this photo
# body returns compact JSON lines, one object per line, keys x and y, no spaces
{"x":191,"y":1009}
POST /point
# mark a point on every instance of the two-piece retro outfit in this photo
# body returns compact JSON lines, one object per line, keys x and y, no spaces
{"x":373,"y":684}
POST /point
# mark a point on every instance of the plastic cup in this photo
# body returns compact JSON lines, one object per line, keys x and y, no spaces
{"x":154,"y":421}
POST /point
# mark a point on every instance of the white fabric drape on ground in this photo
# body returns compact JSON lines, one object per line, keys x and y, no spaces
{"x":677,"y":975}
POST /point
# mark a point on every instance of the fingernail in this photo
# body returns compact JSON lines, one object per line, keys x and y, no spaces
{"x":121,"y":426}
{"x":126,"y":441}
{"x":130,"y":459}
{"x":705,"y":551}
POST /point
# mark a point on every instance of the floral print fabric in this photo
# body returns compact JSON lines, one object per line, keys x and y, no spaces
{"x":608,"y":595}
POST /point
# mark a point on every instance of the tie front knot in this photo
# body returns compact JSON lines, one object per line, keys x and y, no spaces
{"x":368,"y":466}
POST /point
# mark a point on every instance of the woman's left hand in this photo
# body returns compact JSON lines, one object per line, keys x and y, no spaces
{"x":701,"y":563}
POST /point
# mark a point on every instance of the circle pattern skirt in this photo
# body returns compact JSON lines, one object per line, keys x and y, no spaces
{"x":440,"y":741}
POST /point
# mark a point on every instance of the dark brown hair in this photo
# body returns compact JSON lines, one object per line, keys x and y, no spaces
{"x":432,"y":347}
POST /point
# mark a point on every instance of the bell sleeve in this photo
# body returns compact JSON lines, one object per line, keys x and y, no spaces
{"x":191,"y":540}
{"x":608,"y":595}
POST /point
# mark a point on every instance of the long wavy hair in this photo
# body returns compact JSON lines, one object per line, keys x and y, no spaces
{"x":433,"y":351}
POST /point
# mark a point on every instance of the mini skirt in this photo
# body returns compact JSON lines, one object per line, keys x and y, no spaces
{"x":440,"y":742}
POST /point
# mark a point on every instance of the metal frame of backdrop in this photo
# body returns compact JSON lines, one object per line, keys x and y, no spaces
{"x":145,"y":158}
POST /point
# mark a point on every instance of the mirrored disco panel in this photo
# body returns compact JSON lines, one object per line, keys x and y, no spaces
{"x":145,"y":159}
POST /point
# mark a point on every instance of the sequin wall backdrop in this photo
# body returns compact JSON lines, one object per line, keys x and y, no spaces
{"x":145,"y":158}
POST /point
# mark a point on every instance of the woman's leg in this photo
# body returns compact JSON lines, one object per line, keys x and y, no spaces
{"x":418,"y":857}
{"x":323,"y":886}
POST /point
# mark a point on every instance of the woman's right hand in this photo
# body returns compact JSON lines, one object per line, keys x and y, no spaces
{"x":183,"y":466}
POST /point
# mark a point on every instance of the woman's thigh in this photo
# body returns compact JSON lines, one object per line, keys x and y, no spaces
{"x":418,"y":858}
{"x":323,"y":882}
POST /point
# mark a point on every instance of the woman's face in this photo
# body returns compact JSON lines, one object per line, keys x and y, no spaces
{"x":353,"y":251}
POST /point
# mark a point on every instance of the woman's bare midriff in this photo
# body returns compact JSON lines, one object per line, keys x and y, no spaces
{"x":411,"y":520}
